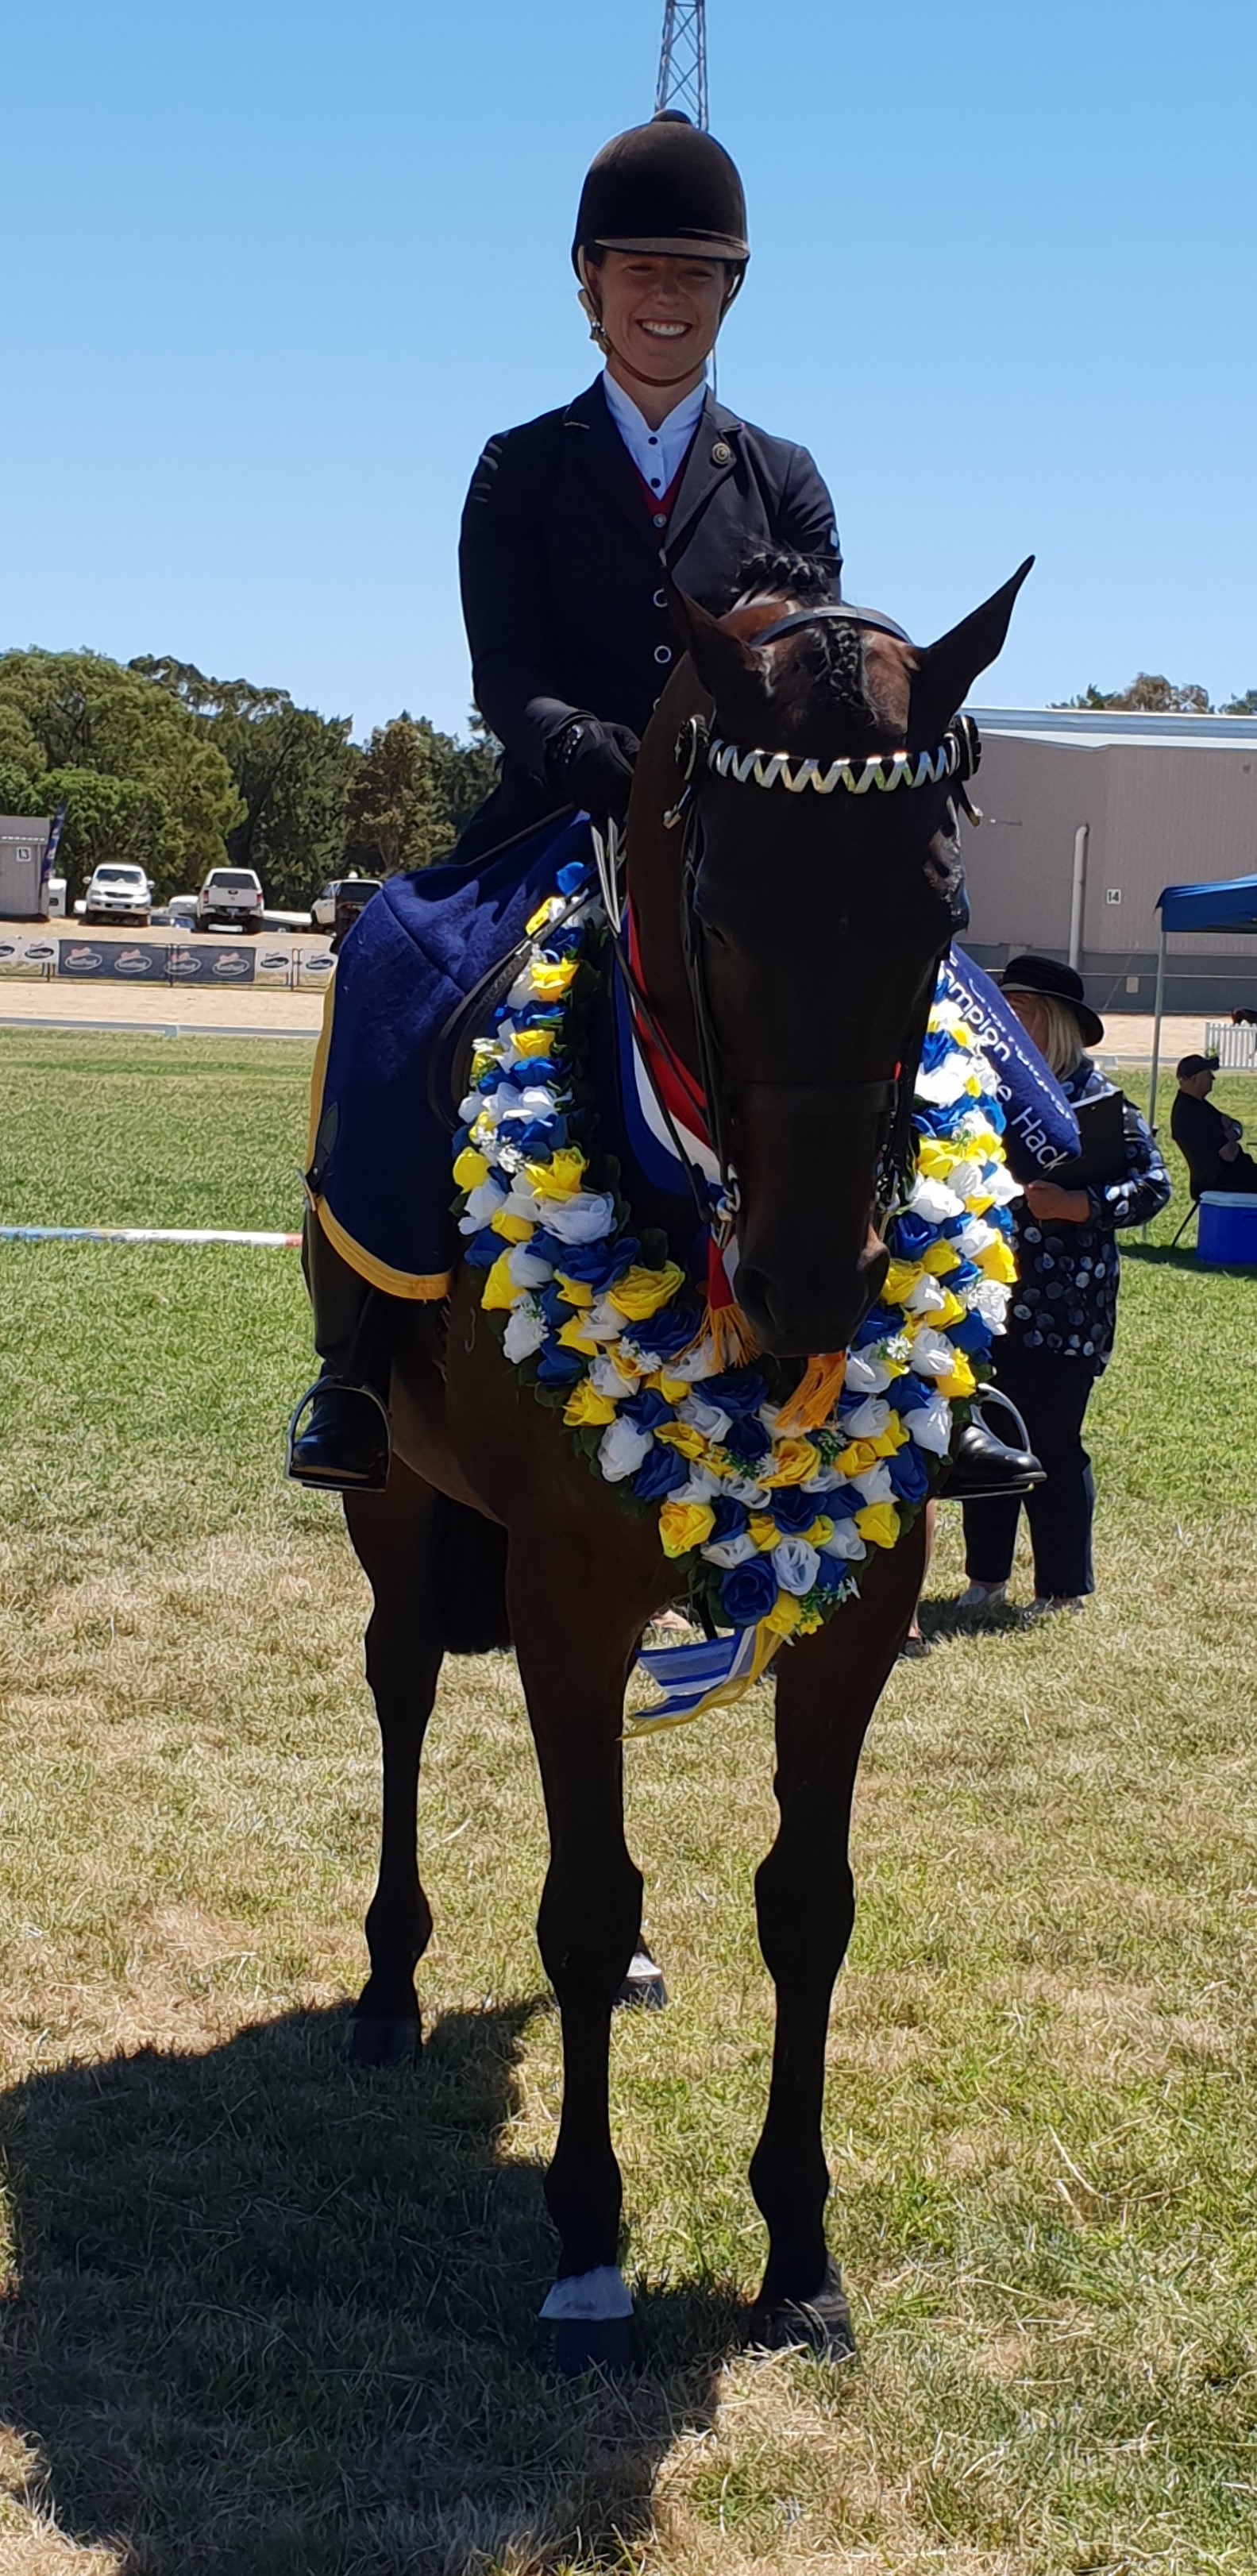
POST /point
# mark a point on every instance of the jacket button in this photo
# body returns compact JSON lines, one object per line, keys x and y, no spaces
{"x":661,"y":599}
{"x":660,"y":518}
{"x":663,"y":652}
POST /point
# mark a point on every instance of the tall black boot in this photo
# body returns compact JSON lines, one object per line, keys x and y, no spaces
{"x":981,"y":1467}
{"x":338,"y":1438}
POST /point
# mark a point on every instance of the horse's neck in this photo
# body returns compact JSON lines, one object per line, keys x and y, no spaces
{"x":654,"y":869}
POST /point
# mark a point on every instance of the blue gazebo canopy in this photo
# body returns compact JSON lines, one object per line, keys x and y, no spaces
{"x":1229,"y":905}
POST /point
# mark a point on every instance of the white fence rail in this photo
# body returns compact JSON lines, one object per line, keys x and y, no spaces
{"x":1235,"y":1048}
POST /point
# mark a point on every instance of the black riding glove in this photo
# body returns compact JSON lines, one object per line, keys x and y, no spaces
{"x":591,"y":764}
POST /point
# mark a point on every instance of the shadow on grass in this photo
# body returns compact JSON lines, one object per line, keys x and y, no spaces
{"x":276,"y":2316}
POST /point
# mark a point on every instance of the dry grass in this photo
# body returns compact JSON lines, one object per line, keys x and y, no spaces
{"x":268,"y":2316}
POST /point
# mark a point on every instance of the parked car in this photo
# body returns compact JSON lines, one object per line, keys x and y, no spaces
{"x":182,"y":911}
{"x":231,"y":898}
{"x":351,"y":890}
{"x":116,"y":891}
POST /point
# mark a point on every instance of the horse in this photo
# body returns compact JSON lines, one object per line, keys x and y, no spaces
{"x":787,"y":946}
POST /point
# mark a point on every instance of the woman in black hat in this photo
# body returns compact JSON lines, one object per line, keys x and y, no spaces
{"x":571,"y":526}
{"x":1063,"y":1310}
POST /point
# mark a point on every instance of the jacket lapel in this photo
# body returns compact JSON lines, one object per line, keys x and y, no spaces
{"x":711,"y":460}
{"x":590,"y":430}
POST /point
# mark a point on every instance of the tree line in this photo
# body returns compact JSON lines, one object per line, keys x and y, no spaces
{"x":158,"y":763}
{"x":1151,"y":694}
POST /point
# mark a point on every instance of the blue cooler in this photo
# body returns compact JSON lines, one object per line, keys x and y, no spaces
{"x":1228,"y":1226}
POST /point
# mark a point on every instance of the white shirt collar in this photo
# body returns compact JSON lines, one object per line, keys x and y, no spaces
{"x":657,"y":453}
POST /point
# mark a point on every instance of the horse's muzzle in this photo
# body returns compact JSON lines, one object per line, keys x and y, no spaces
{"x":799,"y":1309}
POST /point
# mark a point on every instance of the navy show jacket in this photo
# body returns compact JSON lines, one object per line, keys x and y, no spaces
{"x":561,"y":561}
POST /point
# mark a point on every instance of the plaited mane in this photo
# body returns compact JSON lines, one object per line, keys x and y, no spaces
{"x":827,"y":658}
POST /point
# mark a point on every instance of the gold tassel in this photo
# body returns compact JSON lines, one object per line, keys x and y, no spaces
{"x":730,"y":1335}
{"x":815,"y":1395}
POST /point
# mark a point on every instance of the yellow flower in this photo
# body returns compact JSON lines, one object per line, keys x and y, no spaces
{"x":857,"y":1458}
{"x":483,"y":1055}
{"x":821,"y":1529}
{"x":901,"y":1279}
{"x":482,"y":1128}
{"x":513,"y":1229}
{"x":583,"y":1406}
{"x":470,"y":1169}
{"x":573,"y":1337}
{"x":530,"y":1042}
{"x":997,"y":1263}
{"x":670,"y":1388}
{"x":941,"y":1257}
{"x":962,"y":1381}
{"x":936,"y":1158}
{"x":879,"y":1524}
{"x":793,"y":1461}
{"x":683,"y":1526}
{"x":551,"y":981}
{"x":762,"y":1530}
{"x":561,"y":1176}
{"x":682,"y":1437}
{"x":499,"y":1287}
{"x":574,"y":1292}
{"x":895,"y":1434}
{"x":809,"y":1622}
{"x":784,"y":1616}
{"x":641,"y":1293}
{"x":537,"y":920}
{"x":950,"y":1312}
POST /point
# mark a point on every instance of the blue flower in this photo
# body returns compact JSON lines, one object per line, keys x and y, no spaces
{"x":736,"y":1390}
{"x":596,"y":1265}
{"x":794,"y":1511}
{"x":910,"y":1235}
{"x":747,"y":1592}
{"x":647,"y":1409}
{"x":671,"y":1330}
{"x":746,"y":1440}
{"x":879,"y":1321}
{"x":660,"y":1474}
{"x":556,"y":1367}
{"x":907,"y":1474}
{"x":731,"y":1518}
{"x":841,"y":1504}
{"x":481,"y":1250}
{"x":972,"y":1336}
{"x":912,"y":1392}
{"x":571,"y":877}
{"x":831,"y":1574}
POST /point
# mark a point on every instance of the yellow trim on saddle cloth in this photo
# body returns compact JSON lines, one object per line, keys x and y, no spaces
{"x":423,"y":1289}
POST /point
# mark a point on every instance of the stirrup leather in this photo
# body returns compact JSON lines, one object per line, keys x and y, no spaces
{"x":336,"y":1484}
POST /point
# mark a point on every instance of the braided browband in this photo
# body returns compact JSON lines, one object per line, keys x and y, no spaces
{"x":894,"y":769}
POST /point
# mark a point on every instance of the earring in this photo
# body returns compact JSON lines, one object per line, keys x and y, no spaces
{"x":596,"y":332}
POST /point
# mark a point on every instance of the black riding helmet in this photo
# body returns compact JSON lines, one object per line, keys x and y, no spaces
{"x":666,"y":189}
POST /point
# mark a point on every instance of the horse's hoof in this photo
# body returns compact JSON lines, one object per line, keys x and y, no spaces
{"x":643,"y":1987}
{"x":821,"y":2324}
{"x":383,"y":2039}
{"x":569,"y":2347}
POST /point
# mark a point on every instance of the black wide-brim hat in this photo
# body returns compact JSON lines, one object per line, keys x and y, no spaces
{"x":667,"y":189}
{"x":1057,"y":983}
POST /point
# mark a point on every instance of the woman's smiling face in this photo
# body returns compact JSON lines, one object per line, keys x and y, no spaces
{"x":660,"y":314}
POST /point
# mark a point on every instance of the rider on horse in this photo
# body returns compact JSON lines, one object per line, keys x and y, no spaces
{"x":572,"y":526}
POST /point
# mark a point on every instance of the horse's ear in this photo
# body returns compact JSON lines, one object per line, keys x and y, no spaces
{"x":720,"y":657}
{"x":947,"y":670}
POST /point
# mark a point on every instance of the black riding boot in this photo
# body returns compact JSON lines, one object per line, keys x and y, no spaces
{"x":980,"y":1467}
{"x":338,"y":1437}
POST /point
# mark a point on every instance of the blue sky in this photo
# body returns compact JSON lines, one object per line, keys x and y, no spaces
{"x":278,"y":270}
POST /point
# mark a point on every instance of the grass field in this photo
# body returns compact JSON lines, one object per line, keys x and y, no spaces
{"x":265,"y":2318}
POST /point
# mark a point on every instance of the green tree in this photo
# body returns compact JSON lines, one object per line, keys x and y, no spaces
{"x":90,"y":719}
{"x":414,"y":790}
{"x":1149,"y":694}
{"x":292,"y":770}
{"x":1245,"y":706}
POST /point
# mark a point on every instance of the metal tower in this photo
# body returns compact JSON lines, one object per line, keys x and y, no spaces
{"x":683,"y":60}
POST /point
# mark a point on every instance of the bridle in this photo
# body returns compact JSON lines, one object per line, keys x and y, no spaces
{"x":701,"y":755}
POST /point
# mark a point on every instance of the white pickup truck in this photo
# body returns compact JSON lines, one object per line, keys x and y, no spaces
{"x":230,"y":899}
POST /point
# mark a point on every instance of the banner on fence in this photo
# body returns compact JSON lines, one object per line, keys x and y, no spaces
{"x":31,"y":958}
{"x":211,"y":965}
{"x":118,"y":960}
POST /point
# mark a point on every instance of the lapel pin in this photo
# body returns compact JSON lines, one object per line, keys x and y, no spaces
{"x":722,"y":453}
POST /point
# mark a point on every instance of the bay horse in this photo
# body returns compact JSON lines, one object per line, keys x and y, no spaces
{"x":819,"y":923}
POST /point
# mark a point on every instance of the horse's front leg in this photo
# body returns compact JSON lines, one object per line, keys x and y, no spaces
{"x":827,"y":1689}
{"x":391,"y":1535}
{"x":588,"y":1928}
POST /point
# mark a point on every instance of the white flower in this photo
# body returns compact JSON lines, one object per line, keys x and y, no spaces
{"x":525,"y":1331}
{"x":1000,"y":1185}
{"x":605,"y":1378}
{"x":875,"y":1485}
{"x":522,"y":1200}
{"x":604,"y":1323}
{"x":526,"y":1269}
{"x":824,"y":1481}
{"x":621,"y":1450}
{"x":844,"y":1540}
{"x":946,"y":1084}
{"x":796,"y":1565}
{"x":935,"y":1204}
{"x":989,"y":1299}
{"x":930,"y":1425}
{"x":693,"y":1365}
{"x":932,"y":1353}
{"x":865,"y":1376}
{"x":699,"y":1487}
{"x":710,"y":1419}
{"x":868,"y":1421}
{"x":584,"y":1217}
{"x":730,"y":1551}
{"x":483,"y":1203}
{"x":976,"y":1237}
{"x":925,"y":1298}
{"x":967,"y":1179}
{"x":745,"y":1490}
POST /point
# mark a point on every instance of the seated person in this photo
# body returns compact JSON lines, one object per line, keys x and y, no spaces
{"x":1208,"y":1141}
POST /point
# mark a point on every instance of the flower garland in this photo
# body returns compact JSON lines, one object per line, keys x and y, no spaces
{"x":769,"y":1517}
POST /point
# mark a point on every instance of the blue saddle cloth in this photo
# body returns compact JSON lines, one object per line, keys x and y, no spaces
{"x":379,"y":1158}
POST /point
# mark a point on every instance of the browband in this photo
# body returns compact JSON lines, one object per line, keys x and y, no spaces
{"x":840,"y":611}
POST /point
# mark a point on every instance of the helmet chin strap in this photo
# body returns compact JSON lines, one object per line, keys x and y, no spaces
{"x":598,"y":334}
